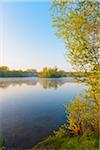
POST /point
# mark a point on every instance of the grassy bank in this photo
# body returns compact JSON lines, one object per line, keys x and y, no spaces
{"x":69,"y":143}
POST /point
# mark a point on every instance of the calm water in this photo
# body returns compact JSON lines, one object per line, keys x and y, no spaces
{"x":31,"y":108}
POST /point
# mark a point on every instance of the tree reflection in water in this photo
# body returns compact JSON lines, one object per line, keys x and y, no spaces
{"x":53,"y":83}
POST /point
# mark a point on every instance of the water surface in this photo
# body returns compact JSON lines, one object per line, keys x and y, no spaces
{"x":31,"y":108}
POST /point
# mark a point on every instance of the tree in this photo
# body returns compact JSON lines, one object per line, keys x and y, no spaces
{"x":4,"y":68}
{"x":77,"y":22}
{"x":52,"y":73}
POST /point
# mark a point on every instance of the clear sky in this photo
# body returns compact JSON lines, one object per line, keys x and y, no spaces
{"x":27,"y":38}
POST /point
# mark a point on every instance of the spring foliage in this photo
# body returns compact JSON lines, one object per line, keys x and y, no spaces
{"x":77,"y":22}
{"x":52,"y":73}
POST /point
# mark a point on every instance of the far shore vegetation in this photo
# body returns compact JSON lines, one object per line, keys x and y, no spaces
{"x":6,"y":72}
{"x":53,"y":72}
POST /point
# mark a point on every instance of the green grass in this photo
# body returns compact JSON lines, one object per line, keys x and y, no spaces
{"x":69,"y":143}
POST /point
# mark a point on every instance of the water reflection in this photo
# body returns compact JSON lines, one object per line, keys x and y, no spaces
{"x":6,"y":82}
{"x":29,"y":112}
{"x":45,"y":83}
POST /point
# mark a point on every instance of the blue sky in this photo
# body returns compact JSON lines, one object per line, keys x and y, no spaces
{"x":27,"y":37}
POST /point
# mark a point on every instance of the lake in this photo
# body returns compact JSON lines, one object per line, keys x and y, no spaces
{"x":31,"y":108}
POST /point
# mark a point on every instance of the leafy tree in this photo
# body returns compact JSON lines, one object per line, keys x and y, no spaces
{"x":77,"y":22}
{"x":4,"y":68}
{"x":51,"y":73}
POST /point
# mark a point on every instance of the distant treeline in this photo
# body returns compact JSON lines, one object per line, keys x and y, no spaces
{"x":52,"y":73}
{"x":5,"y":72}
{"x":45,"y":73}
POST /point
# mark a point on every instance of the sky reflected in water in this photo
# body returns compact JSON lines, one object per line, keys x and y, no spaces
{"x":31,"y":108}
